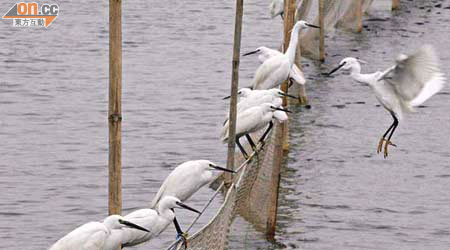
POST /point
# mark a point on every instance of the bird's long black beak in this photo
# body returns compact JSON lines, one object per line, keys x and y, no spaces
{"x":132,"y":225}
{"x":224,"y":169}
{"x":280,"y":109}
{"x":312,"y":26}
{"x":182,"y":205}
{"x":291,"y":96}
{"x":336,"y":69}
{"x":226,"y":97}
{"x":249,"y":53}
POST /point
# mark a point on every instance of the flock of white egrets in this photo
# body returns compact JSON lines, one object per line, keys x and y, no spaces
{"x":410,"y":82}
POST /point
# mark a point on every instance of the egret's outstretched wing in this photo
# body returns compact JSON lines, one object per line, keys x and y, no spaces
{"x":416,"y":77}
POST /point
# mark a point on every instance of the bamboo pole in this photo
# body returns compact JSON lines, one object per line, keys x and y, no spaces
{"x":289,"y":18}
{"x":359,"y":14}
{"x":321,"y":32}
{"x":281,"y":135}
{"x":115,"y":107}
{"x":234,"y":86}
{"x":395,"y":4}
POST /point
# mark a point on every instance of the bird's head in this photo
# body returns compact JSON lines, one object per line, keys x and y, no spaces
{"x":258,"y":51}
{"x":116,"y":222}
{"x":170,"y":202}
{"x":348,"y":63}
{"x":304,"y":24}
{"x":242,"y":93}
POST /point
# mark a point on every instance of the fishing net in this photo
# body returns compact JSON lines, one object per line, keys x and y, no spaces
{"x":249,"y":195}
{"x":337,"y":15}
{"x":253,"y":191}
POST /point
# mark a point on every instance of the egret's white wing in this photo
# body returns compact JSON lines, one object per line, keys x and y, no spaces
{"x":146,"y":218}
{"x":297,"y":75}
{"x":271,"y":73}
{"x":86,"y":237}
{"x":177,"y":173}
{"x":417,"y":77}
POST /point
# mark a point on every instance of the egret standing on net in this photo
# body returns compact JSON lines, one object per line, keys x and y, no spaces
{"x":155,"y":220}
{"x":264,"y":53}
{"x":185,"y":180}
{"x":249,"y":121}
{"x":410,"y":82}
{"x":96,"y":235}
{"x":258,"y":97}
{"x":276,"y":69}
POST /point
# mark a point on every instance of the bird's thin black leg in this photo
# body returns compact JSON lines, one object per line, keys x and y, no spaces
{"x":250,"y":141}
{"x":380,"y":144}
{"x":179,"y":231}
{"x":388,"y":142}
{"x":263,"y":137}
{"x":241,"y":148}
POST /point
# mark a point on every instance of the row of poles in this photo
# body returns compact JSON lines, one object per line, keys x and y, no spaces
{"x":115,"y":100}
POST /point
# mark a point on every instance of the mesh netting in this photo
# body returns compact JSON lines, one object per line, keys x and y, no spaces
{"x":337,"y":14}
{"x":248,"y":196}
{"x":251,"y":193}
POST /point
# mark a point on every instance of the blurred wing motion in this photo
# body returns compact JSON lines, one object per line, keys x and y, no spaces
{"x":416,"y":77}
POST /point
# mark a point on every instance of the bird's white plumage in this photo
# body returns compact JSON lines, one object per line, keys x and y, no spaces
{"x":413,"y":80}
{"x":91,"y":236}
{"x":156,"y":221}
{"x":185,"y":180}
{"x":265,"y":53}
{"x":250,"y":120}
{"x":276,"y":69}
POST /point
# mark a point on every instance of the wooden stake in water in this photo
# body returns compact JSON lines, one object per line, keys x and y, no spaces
{"x":359,"y":14}
{"x":395,"y":4}
{"x":280,"y":132}
{"x":321,"y":32}
{"x":234,"y":85}
{"x":115,"y":106}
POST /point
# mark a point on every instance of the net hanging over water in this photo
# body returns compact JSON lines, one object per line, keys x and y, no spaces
{"x":250,"y":195}
{"x":337,"y":15}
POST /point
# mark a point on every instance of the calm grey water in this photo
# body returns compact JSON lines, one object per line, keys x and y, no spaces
{"x":336,"y":193}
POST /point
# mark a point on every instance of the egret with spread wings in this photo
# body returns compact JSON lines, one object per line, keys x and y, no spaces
{"x":409,"y":83}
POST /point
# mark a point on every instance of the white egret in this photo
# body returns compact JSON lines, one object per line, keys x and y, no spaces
{"x":96,"y":235}
{"x":410,"y":82}
{"x":258,"y":97}
{"x":265,"y":53}
{"x":156,"y":221}
{"x":185,"y":180}
{"x":276,"y":8}
{"x":276,"y":69}
{"x":242,"y":93}
{"x":249,"y":121}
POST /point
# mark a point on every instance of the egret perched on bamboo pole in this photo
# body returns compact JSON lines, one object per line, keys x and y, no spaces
{"x":409,"y":83}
